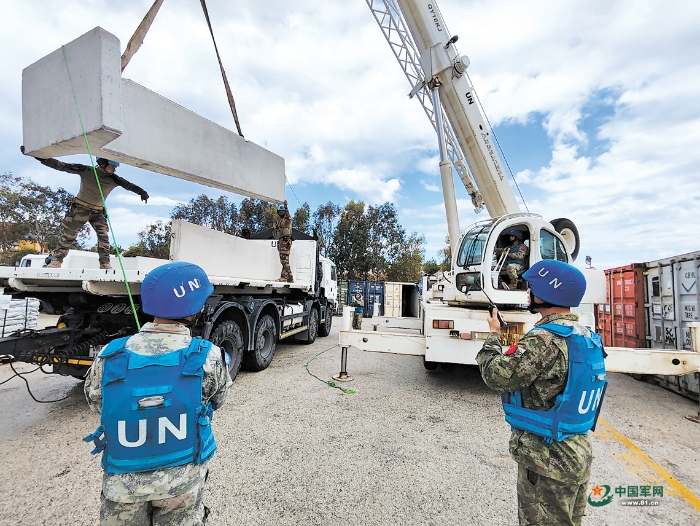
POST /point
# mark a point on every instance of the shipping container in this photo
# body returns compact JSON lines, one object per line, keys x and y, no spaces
{"x":372,"y":294}
{"x":649,"y":306}
{"x":342,"y":296}
{"x":620,"y":321}
{"x":673,"y":301}
{"x":400,"y":300}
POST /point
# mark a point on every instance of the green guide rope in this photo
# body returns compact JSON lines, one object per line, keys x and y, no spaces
{"x":99,"y":186}
{"x":330,"y":383}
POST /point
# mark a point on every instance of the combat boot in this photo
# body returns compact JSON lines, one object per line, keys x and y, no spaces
{"x":105,"y":266}
{"x":54,"y":264}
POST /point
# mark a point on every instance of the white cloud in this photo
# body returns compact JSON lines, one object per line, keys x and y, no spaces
{"x":430,"y":187}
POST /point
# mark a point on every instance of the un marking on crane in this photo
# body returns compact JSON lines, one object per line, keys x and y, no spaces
{"x":470,"y":99}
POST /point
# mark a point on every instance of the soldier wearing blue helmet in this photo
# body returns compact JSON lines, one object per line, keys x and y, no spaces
{"x":552,"y":384}
{"x":156,"y":393}
{"x":87,"y":206}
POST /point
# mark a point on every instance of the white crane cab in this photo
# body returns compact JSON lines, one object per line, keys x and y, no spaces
{"x":493,"y":254}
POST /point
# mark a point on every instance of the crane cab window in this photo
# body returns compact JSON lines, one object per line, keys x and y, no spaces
{"x":473,"y":245}
{"x":511,"y":257}
{"x":551,"y":247}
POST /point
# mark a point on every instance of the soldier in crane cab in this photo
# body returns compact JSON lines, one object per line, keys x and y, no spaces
{"x":552,"y":384}
{"x":88,"y":206}
{"x":282,"y":232}
{"x":516,"y":254}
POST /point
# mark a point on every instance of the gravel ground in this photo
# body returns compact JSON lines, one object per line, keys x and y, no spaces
{"x":409,"y":447}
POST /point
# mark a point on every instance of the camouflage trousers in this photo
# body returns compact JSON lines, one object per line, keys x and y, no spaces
{"x":284,"y":246}
{"x":544,"y":501}
{"x":184,"y":510}
{"x":513,"y":270}
{"x":77,"y":216}
{"x":357,"y":320}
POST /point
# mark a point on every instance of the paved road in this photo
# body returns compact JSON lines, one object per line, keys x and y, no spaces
{"x":409,"y":447}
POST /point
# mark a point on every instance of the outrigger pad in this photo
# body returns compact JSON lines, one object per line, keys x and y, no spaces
{"x":129,"y":123}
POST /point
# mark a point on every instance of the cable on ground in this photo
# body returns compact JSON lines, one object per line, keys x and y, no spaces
{"x":21,"y":376}
{"x":330,"y":383}
{"x":104,"y":205}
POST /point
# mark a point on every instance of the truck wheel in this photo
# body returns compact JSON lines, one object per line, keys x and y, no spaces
{"x":264,"y":345}
{"x":313,"y":326}
{"x":430,"y":366}
{"x":229,"y":337}
{"x":325,"y":328}
{"x":566,"y":229}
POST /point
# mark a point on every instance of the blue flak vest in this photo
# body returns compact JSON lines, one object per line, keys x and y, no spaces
{"x":576,"y":410}
{"x":152,"y":411}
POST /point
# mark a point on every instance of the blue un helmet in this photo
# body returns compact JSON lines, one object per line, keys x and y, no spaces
{"x":515,"y":232}
{"x":556,"y":282}
{"x":175,"y":290}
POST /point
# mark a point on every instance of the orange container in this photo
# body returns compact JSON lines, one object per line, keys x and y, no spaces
{"x":621,"y":321}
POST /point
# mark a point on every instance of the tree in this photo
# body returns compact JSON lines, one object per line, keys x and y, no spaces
{"x":431,"y":267}
{"x":219,"y":214}
{"x":257,"y":215}
{"x":302,"y":219}
{"x":325,"y":221}
{"x":350,"y":245}
{"x":445,"y":257}
{"x":29,"y":211}
{"x":154,"y":242}
{"x":407,"y":265}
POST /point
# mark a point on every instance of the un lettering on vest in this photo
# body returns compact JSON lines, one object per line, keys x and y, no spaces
{"x":593,"y":400}
{"x":194,"y":284}
{"x":164,"y":424}
{"x":555,"y":282}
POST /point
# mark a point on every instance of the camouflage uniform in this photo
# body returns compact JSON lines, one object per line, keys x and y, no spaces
{"x":170,"y":495}
{"x":359,"y":305}
{"x":283,"y":234}
{"x":514,"y":261}
{"x":552,"y":478}
{"x":87,"y":207}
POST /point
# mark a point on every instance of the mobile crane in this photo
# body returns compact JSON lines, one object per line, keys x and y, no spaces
{"x":453,"y":315}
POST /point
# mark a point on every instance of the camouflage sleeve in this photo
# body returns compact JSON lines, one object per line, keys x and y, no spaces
{"x":217,"y":382}
{"x":93,"y":386}
{"x":520,"y":365}
{"x":64,"y":167}
{"x":521,"y":253}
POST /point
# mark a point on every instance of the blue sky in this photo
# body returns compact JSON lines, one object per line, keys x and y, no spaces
{"x":594,"y":103}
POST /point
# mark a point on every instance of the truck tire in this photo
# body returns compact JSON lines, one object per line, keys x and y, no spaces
{"x":313,"y":326}
{"x":264,"y":345}
{"x":430,"y":366}
{"x":566,"y":229}
{"x":228,"y":335}
{"x":325,"y":328}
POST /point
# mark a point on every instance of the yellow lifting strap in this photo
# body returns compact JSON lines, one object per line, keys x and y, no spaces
{"x":139,"y":35}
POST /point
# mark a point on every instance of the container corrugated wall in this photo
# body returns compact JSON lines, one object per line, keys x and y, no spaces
{"x":673,"y":300}
{"x":620,"y":321}
{"x":372,"y":294}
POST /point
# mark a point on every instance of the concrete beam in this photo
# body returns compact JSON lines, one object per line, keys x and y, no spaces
{"x":129,"y":123}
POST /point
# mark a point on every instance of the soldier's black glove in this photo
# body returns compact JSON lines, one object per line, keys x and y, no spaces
{"x":144,"y":196}
{"x":21,"y":149}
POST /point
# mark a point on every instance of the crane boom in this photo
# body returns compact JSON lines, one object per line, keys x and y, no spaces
{"x":443,"y":68}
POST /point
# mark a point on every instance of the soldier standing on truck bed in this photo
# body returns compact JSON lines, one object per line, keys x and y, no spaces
{"x":282,"y":232}
{"x":156,"y":392}
{"x":552,"y":384}
{"x":87,"y":206}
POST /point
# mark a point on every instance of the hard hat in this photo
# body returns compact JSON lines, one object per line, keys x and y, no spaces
{"x":175,"y":290}
{"x":556,"y":282}
{"x":515,"y":232}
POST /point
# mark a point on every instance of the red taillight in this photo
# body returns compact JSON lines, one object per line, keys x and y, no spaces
{"x":443,"y":324}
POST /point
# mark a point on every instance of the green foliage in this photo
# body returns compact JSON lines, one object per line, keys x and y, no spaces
{"x":408,"y":263}
{"x":325,"y":221}
{"x":154,"y":242}
{"x":13,"y":257}
{"x":302,"y":219}
{"x":431,"y":267}
{"x":32,"y":212}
